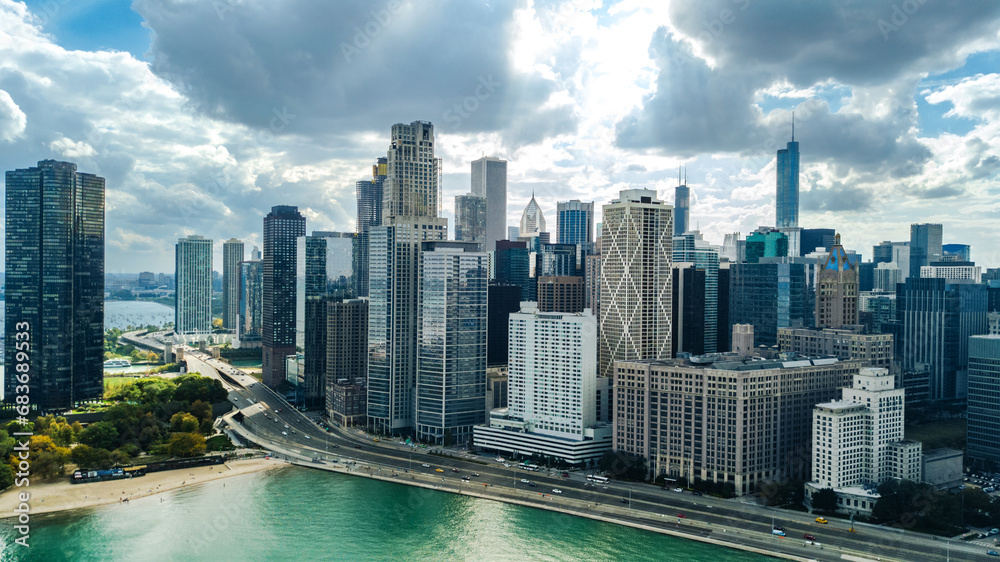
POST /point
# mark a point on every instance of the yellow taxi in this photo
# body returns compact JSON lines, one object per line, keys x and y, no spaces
{"x":438,"y":470}
{"x":821,"y":520}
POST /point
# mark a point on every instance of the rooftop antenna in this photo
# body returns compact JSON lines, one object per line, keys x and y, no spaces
{"x":679,"y":176}
{"x":685,"y":175}
{"x":793,"y":125}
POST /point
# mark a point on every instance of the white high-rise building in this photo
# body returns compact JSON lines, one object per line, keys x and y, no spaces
{"x":489,"y":180}
{"x":858,"y":442}
{"x":552,"y":389}
{"x":636,"y":260}
{"x":413,"y":182}
{"x":532,"y":220}
{"x":193,"y":272}
{"x":954,"y":272}
{"x":232,"y":255}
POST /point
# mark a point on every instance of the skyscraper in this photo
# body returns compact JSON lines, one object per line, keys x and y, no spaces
{"x":636,"y":246}
{"x":503,"y":299}
{"x":370,"y":195}
{"x":282,"y":226}
{"x":412,"y":185}
{"x":232,"y":255}
{"x":532,"y":220}
{"x":193,"y":271}
{"x":394,"y":299}
{"x":575,"y":222}
{"x":787,"y":204}
{"x":692,"y":248}
{"x":925,"y":246}
{"x":489,"y":180}
{"x":347,"y":361}
{"x":325,"y":272}
{"x":769,"y":296}
{"x":984,"y":399}
{"x":837,"y":289}
{"x":513,"y":267}
{"x":451,"y":342}
{"x":682,"y":207}
{"x":766,"y":243}
{"x":54,"y":232}
{"x":935,"y":321}
{"x":561,"y":294}
{"x":470,"y":219}
{"x":251,"y":303}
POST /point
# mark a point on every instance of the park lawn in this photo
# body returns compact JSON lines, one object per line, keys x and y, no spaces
{"x":934,"y":435}
{"x":114,"y":382}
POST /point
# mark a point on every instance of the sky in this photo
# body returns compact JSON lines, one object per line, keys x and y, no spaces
{"x":203,"y":114}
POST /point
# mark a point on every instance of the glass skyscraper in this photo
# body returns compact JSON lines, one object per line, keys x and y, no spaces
{"x":369,"y":194}
{"x":251,"y":302}
{"x":925,"y":246}
{"x":575,"y":223}
{"x":232,"y":255}
{"x":54,"y":231}
{"x":691,"y":248}
{"x":451,"y":345}
{"x":282,"y":226}
{"x":193,"y":296}
{"x":470,"y":219}
{"x":682,"y":209}
{"x":787,"y":205}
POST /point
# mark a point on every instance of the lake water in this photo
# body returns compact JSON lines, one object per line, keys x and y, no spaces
{"x":302,"y":514}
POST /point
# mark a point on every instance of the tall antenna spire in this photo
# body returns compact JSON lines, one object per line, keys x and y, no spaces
{"x":679,"y":176}
{"x":793,"y":125}
{"x":685,"y":175}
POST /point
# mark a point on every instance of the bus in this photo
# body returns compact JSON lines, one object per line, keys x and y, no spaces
{"x":598,"y":479}
{"x":531,"y":467}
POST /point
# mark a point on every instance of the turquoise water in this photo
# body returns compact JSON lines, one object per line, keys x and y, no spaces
{"x":301,"y":514}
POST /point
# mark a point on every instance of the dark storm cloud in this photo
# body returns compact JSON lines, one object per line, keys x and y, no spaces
{"x":351,"y":65}
{"x":753,"y":46}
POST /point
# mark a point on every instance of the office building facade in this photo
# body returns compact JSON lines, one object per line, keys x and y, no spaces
{"x":193,"y":271}
{"x":575,"y":224}
{"x":513,"y":267}
{"x":346,"y":361}
{"x":787,"y":199}
{"x":984,"y":400}
{"x":732,"y":421}
{"x":470,"y":219}
{"x":837,"y":290}
{"x":925,"y":246}
{"x":54,"y":284}
{"x":369,"y":194}
{"x":532,"y":220}
{"x":561,"y":294}
{"x":503,"y":300}
{"x":282,"y":227}
{"x":412,"y":186}
{"x":769,"y":296}
{"x":682,"y":209}
{"x":251,"y":303}
{"x":691,"y":248}
{"x":451,"y":343}
{"x":232,"y":255}
{"x":489,"y":180}
{"x":637,"y":251}
{"x":875,"y":350}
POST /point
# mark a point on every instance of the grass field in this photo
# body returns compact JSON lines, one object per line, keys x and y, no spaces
{"x":114,"y":382}
{"x":947,"y":433}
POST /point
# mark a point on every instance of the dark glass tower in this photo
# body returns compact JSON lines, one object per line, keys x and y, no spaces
{"x":682,"y":209}
{"x":787,"y":210}
{"x":503,"y":299}
{"x":55,"y":283}
{"x":282,"y":226}
{"x":369,"y":215}
{"x":575,"y":224}
{"x":513,"y":267}
{"x":925,"y":246}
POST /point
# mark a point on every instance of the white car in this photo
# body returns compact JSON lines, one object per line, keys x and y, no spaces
{"x":284,"y":433}
{"x":556,"y":491}
{"x":307,"y":437}
{"x":525,"y":481}
{"x":426,"y":465}
{"x":679,"y":490}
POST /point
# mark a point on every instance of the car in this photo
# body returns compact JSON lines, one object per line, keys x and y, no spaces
{"x":556,"y":491}
{"x":809,"y":537}
{"x":779,"y":527}
{"x":623,"y":500}
{"x":532,"y":484}
{"x":679,"y":490}
{"x":696,"y":493}
{"x":454,"y":470}
{"x":993,"y":553}
{"x":284,"y":433}
{"x":357,"y":446}
{"x":426,"y":465}
{"x":681,"y":516}
{"x":994,"y":531}
{"x":506,"y":465}
{"x":565,"y":475}
{"x":777,"y":532}
{"x":822,"y":520}
{"x":293,"y":432}
{"x":525,"y":481}
{"x":438,"y":470}
{"x":307,"y":437}
{"x":286,"y":426}
{"x":476,"y":474}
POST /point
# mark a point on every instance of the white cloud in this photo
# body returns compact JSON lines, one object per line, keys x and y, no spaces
{"x":12,"y":120}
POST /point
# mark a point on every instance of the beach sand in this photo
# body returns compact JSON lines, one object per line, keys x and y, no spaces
{"x":60,"y":494}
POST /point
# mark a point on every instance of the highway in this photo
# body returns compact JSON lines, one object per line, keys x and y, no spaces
{"x":278,"y":424}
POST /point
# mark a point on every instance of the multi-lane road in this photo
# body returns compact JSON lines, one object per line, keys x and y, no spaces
{"x":277,"y":424}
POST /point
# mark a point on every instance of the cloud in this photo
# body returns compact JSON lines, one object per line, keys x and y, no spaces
{"x":976,"y":97}
{"x":12,"y":120}
{"x":353,"y":65}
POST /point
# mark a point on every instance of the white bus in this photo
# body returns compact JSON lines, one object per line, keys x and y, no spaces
{"x":598,"y":479}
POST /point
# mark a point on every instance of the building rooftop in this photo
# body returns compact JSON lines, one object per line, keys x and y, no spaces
{"x":936,"y":454}
{"x":840,"y":405}
{"x":736,"y":362}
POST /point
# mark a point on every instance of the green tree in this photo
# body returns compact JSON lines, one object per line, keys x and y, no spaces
{"x":47,"y":459}
{"x":183,"y":422}
{"x":87,"y":457}
{"x":623,"y":466}
{"x":195,"y":387}
{"x":6,"y":476}
{"x":825,"y":500}
{"x":186,"y":445}
{"x":101,"y":435}
{"x":202,"y":410}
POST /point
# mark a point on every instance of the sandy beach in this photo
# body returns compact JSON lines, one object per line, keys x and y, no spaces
{"x":59,"y":495}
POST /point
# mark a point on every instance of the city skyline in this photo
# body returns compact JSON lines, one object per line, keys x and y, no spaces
{"x":894,"y":113}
